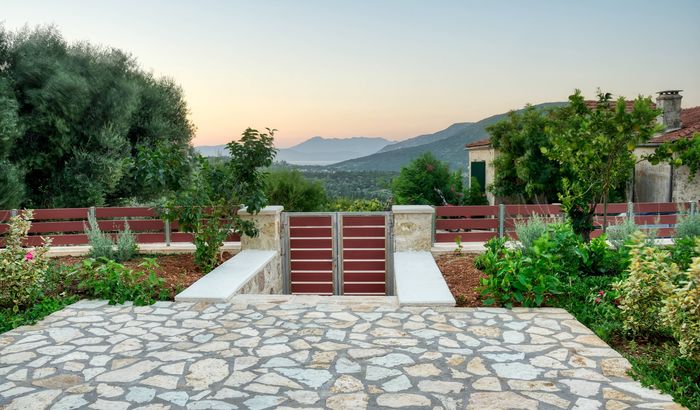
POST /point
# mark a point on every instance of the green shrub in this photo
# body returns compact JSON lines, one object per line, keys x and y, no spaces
{"x":688,"y":226}
{"x":531,"y":230}
{"x":208,"y":239}
{"x":515,"y":278}
{"x":289,"y":188}
{"x":619,"y":235}
{"x":357,"y":205}
{"x":647,"y":286}
{"x":10,"y":319}
{"x":683,"y":251}
{"x":495,"y":249}
{"x":21,"y":270}
{"x":126,"y":244}
{"x":592,"y":300}
{"x":107,"y":279}
{"x":681,"y":312}
{"x":101,"y":244}
{"x":597,"y":258}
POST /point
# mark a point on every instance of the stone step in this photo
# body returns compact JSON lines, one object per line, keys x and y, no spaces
{"x":419,"y":280}
{"x":221,"y":284}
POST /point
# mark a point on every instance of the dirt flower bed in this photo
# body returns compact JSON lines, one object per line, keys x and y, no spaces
{"x":462,"y":278}
{"x":178,"y":270}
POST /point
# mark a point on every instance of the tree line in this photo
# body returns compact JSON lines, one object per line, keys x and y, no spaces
{"x":80,"y":124}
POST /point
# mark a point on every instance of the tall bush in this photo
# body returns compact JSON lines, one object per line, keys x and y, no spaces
{"x":209,"y":206}
{"x":644,"y":290}
{"x":21,"y":270}
{"x":681,"y":311}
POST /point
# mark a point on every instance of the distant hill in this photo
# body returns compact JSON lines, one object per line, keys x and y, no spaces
{"x":449,"y":149}
{"x":316,"y":150}
{"x":452,"y":130}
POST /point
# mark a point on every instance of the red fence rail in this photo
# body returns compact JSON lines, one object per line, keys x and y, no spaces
{"x":66,"y":226}
{"x":481,"y":223}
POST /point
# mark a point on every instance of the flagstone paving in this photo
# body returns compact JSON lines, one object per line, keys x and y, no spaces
{"x":304,"y":352}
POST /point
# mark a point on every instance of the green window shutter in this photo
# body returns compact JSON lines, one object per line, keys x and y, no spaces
{"x":478,"y":171}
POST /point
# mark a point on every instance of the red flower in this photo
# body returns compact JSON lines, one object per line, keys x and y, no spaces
{"x":598,"y":300}
{"x":29,"y":256}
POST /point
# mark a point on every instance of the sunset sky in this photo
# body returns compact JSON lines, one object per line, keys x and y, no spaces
{"x":394,"y":69}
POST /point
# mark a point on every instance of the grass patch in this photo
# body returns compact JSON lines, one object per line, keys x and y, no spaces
{"x":10,"y":320}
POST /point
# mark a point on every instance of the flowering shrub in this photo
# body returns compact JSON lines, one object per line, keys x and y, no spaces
{"x":681,"y":312}
{"x":649,"y":283}
{"x":21,"y":270}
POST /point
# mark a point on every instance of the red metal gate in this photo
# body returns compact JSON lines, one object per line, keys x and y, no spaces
{"x":338,"y":253}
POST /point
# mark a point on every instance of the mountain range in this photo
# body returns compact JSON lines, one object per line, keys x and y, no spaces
{"x":447,"y":145}
{"x":316,"y":150}
{"x":380,"y":154}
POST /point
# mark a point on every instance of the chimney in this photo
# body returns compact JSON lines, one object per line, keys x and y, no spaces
{"x":669,"y":102}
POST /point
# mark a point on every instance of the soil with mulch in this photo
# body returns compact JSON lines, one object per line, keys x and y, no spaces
{"x":178,"y":270}
{"x":462,"y":278}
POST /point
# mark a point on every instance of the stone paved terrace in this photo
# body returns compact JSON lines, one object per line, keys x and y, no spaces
{"x":308,"y":352}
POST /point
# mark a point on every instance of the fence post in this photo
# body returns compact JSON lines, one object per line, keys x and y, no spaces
{"x":167,"y":232}
{"x":630,"y":210}
{"x":13,"y":213}
{"x":91,"y":212}
{"x":693,"y":206}
{"x":501,"y":220}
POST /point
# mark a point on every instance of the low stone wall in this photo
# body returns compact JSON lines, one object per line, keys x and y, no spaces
{"x":269,"y":280}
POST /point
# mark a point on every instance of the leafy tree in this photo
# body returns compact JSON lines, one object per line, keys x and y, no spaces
{"x":209,"y":206}
{"x":522,"y":171}
{"x":12,"y":188}
{"x":83,"y":113}
{"x":289,"y":188}
{"x":428,"y":181}
{"x":678,"y":153}
{"x":596,"y":145}
{"x":425,"y":181}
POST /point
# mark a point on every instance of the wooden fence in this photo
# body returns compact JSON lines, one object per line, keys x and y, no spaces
{"x":66,"y":226}
{"x":481,"y":223}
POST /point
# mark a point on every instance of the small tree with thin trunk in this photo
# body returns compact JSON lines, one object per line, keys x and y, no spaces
{"x":596,"y":145}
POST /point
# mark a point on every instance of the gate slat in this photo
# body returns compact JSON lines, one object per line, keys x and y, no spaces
{"x":304,"y":232}
{"x":311,"y":243}
{"x":311,"y":254}
{"x":315,"y":288}
{"x":352,"y":232}
{"x":311,"y":265}
{"x":364,"y":288}
{"x":324,"y":220}
{"x":315,"y":277}
{"x":349,"y":220}
{"x":365,"y":277}
{"x":364,"y":243}
{"x":364,"y":254}
{"x":364,"y":265}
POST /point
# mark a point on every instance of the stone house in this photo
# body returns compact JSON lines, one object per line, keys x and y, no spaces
{"x":652,"y":183}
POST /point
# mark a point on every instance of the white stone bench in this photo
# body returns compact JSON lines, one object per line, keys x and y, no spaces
{"x":227,"y":279}
{"x":419,"y":280}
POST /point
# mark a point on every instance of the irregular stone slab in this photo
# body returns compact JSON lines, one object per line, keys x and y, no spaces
{"x":500,"y":401}
{"x":130,"y":373}
{"x":398,"y":400}
{"x":36,"y":401}
{"x":206,"y":372}
{"x":310,"y":377}
{"x":347,"y":401}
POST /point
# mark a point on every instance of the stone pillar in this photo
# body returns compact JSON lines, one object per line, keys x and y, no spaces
{"x":413,"y":227}
{"x":269,"y":224}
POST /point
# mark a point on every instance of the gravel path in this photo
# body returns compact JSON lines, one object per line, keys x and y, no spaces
{"x":310,"y":352}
